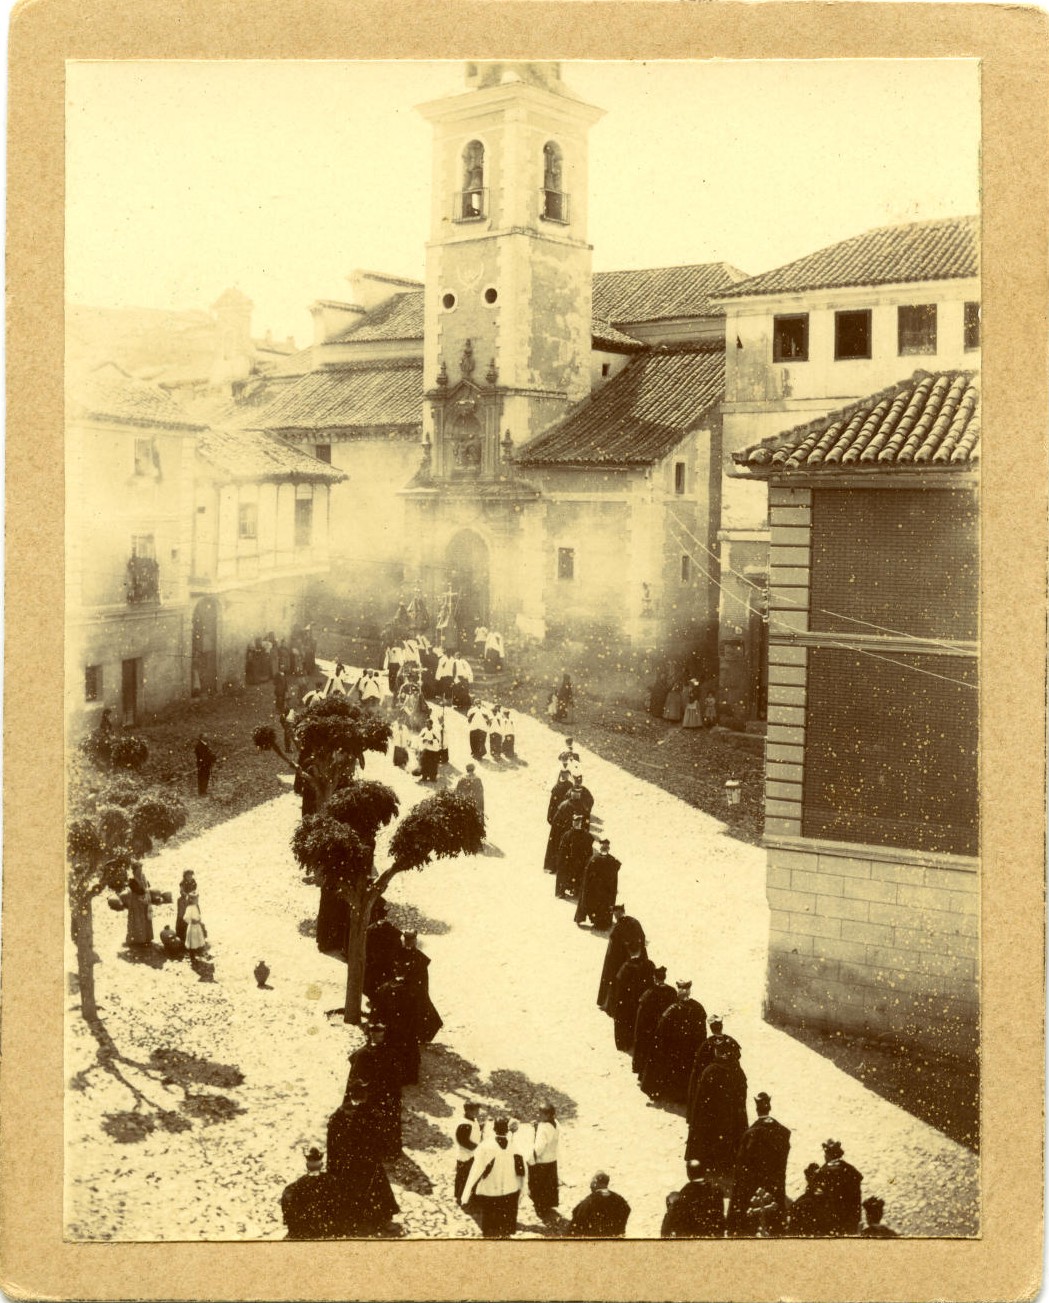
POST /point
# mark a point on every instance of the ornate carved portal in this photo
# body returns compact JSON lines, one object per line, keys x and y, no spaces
{"x":467,"y":423}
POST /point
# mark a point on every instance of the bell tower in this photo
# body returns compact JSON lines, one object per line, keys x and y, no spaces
{"x":508,"y":265}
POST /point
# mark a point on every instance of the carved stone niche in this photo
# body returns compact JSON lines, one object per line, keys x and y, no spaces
{"x":467,"y":422}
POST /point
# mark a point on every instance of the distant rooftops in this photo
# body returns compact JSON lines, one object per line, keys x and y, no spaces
{"x":108,"y":393}
{"x":944,"y":248}
{"x":660,"y":293}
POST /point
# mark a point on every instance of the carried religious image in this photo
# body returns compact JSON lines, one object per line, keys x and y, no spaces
{"x":523,"y":698}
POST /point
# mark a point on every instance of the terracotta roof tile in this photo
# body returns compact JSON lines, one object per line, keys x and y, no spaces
{"x":357,"y":396}
{"x":108,"y":393}
{"x":639,"y":415}
{"x":257,"y":455}
{"x":656,"y":293}
{"x":931,"y":420}
{"x":943,"y":249}
{"x":400,"y":317}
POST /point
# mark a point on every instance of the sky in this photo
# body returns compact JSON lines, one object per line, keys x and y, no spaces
{"x":281,"y":177}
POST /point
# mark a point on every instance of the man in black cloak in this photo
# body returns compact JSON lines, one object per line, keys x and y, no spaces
{"x":706,"y":1055}
{"x":573,"y":804}
{"x":650,"y":1008}
{"x":679,"y":1034}
{"x":382,"y":949}
{"x":573,"y":855}
{"x":761,"y":1164}
{"x":632,"y":981}
{"x":374,"y":1069}
{"x":558,"y":792}
{"x":415,"y":965}
{"x":626,"y":933}
{"x":366,"y":1201}
{"x":839,"y":1186}
{"x":719,"y":1115}
{"x":310,"y":1205}
{"x":395,"y":1005}
{"x":600,"y":884}
{"x":698,"y":1212}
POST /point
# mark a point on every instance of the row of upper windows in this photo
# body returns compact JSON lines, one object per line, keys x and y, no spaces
{"x":915,"y":332}
{"x":471,"y":203}
{"x":566,"y":565}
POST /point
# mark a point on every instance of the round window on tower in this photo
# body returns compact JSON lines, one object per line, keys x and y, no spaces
{"x":448,"y":301}
{"x":491,"y":295}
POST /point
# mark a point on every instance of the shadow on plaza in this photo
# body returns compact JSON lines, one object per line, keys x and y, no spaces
{"x":944,"y":1092}
{"x":503,"y":1091}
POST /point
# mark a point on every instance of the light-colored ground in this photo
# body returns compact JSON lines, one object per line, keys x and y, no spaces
{"x":515,"y":982}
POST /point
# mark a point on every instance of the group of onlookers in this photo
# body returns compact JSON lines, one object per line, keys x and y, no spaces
{"x":267,"y":656}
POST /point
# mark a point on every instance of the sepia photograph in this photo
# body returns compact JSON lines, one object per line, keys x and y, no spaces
{"x":522,"y":678}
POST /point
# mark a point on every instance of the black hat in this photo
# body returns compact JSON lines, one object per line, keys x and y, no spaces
{"x":762,"y":1097}
{"x":661,"y":971}
{"x":833,"y":1149}
{"x":314,"y":1157}
{"x":604,"y":842}
{"x":684,"y":986}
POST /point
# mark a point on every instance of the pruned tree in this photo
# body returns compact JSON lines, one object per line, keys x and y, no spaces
{"x":111,"y":827}
{"x":336,"y":850}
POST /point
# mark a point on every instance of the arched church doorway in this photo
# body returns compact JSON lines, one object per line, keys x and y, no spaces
{"x":466,"y":595}
{"x":205,"y":660}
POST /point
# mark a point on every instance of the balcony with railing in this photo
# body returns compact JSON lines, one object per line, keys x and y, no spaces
{"x":554,"y":206}
{"x":142,"y":583}
{"x":470,"y":205}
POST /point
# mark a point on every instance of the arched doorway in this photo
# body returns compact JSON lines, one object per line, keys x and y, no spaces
{"x":466,"y":579}
{"x":205,"y":661}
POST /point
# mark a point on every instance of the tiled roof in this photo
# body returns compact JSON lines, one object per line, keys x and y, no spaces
{"x":656,"y":293}
{"x":400,"y":317}
{"x":603,"y":333}
{"x":108,"y":393}
{"x":255,"y":455}
{"x":929,"y":421}
{"x":357,"y":396}
{"x":943,"y":249}
{"x":639,"y":415}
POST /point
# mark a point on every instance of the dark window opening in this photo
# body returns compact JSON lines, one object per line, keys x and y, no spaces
{"x":790,"y":338}
{"x":472,"y":195}
{"x":972,"y":326}
{"x":249,"y":520}
{"x":686,"y":568}
{"x":554,"y":199}
{"x":303,"y":522}
{"x":916,"y":324}
{"x":679,"y":477}
{"x":93,"y":683}
{"x":491,"y":295}
{"x":566,"y":563}
{"x":448,"y":302}
{"x":606,"y":369}
{"x":322,"y":451}
{"x":852,"y":334}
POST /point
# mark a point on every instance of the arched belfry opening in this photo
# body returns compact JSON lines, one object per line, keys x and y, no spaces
{"x":472,"y":197}
{"x":554,"y":200}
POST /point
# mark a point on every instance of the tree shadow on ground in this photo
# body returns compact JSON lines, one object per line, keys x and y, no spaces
{"x":308,"y":927}
{"x":409,"y":1175}
{"x":942,"y":1091}
{"x":492,"y":851}
{"x":504,"y":1091}
{"x":151,"y":956}
{"x":167,"y":1067}
{"x":411,"y":919}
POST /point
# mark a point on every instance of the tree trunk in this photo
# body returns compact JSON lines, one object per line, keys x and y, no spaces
{"x":84,"y":936}
{"x":361,"y":900}
{"x":332,"y":920}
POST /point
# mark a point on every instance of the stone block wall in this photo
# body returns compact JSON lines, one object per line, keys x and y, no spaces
{"x":874,"y":942}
